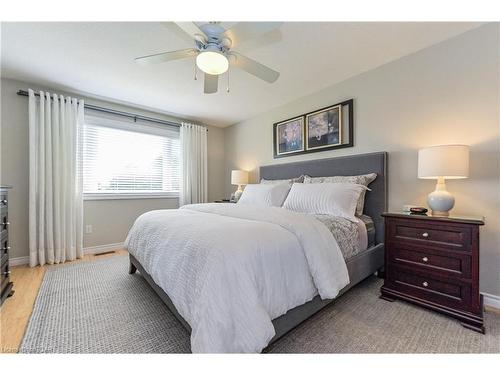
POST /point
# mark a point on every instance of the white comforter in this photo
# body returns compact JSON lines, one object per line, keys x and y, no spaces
{"x":230,"y":269}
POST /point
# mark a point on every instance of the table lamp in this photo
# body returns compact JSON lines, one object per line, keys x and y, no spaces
{"x":238,"y":178}
{"x":443,"y":162}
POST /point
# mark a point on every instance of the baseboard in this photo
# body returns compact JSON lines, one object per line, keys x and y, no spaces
{"x":491,"y":300}
{"x":103,"y":248}
{"x":21,"y":261}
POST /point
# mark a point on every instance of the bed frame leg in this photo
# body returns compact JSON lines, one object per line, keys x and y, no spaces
{"x":132,"y":268}
{"x":381,"y":273}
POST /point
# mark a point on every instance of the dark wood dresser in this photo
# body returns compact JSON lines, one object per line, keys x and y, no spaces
{"x":434,"y":262}
{"x":6,"y":284}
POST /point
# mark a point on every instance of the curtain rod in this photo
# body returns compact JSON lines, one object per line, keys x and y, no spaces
{"x":115,"y":112}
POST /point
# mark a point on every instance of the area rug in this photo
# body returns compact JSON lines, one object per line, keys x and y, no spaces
{"x":97,"y":307}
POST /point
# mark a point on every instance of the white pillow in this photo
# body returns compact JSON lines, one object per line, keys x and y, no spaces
{"x":269,"y":195}
{"x":338,"y":199}
{"x":363,"y":179}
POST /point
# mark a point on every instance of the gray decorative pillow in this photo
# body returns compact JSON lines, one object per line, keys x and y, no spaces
{"x":297,"y":180}
{"x":363,"y":179}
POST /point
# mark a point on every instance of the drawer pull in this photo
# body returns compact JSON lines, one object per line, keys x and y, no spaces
{"x":425,"y":283}
{"x":425,"y":259}
{"x":425,"y":234}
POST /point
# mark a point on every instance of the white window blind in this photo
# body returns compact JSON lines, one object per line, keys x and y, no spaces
{"x":118,"y":161}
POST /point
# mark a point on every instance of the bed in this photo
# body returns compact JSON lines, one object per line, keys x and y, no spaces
{"x":358,"y":266}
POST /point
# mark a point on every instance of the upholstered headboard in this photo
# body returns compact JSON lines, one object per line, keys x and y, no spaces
{"x":376,"y":199}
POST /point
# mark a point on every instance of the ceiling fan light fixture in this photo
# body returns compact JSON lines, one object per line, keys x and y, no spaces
{"x":212,"y":62}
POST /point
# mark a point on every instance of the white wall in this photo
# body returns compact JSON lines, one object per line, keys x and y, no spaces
{"x":448,"y":93}
{"x":111,"y":219}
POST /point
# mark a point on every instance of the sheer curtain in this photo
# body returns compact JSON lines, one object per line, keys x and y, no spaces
{"x":55,"y":184}
{"x":193,"y":139}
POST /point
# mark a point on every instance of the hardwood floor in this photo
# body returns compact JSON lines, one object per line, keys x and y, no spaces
{"x":492,"y":309}
{"x":16,"y":310}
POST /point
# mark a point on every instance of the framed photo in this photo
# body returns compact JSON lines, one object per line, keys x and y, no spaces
{"x":320,"y":130}
{"x":289,"y":136}
{"x":324,"y":128}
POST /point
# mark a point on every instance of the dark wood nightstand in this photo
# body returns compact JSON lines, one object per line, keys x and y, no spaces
{"x":434,"y":262}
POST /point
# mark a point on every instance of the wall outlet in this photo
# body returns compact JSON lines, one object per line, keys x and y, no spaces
{"x":88,"y":229}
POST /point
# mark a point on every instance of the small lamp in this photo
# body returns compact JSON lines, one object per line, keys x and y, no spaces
{"x":442,"y":162}
{"x":238,"y":178}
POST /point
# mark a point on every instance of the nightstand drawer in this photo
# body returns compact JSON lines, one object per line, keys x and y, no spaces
{"x":4,"y":250}
{"x":4,"y":221}
{"x":3,"y":200}
{"x":455,"y":237}
{"x":441,"y":262}
{"x":428,"y":287}
{"x":4,"y":276}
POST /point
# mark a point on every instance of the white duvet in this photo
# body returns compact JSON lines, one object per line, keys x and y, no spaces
{"x":230,"y":269}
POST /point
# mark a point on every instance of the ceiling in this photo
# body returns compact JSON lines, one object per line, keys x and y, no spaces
{"x":98,"y":59}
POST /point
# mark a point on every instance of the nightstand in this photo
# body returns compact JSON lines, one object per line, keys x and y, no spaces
{"x":434,"y":262}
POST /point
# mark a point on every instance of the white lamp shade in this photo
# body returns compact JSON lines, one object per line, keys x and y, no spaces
{"x":239,"y":177}
{"x":448,"y":161}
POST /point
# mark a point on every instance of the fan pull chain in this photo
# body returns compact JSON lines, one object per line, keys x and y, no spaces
{"x":227,"y":89}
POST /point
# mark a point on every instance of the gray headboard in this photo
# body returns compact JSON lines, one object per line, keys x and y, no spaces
{"x":376,"y":199}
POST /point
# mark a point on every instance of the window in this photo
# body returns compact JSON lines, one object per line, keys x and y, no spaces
{"x":122,"y":159}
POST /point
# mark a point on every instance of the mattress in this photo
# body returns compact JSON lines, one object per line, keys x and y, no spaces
{"x":352,"y":237}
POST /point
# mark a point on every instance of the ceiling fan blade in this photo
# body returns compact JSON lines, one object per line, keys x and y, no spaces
{"x":166,"y":56}
{"x":254,"y":67}
{"x":211,"y":83}
{"x":193,"y":30}
{"x":248,"y":30}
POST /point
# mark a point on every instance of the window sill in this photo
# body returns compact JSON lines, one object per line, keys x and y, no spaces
{"x":113,"y":196}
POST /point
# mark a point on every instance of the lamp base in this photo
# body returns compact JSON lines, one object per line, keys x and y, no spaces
{"x":440,"y":213}
{"x":440,"y":201}
{"x":237,"y":194}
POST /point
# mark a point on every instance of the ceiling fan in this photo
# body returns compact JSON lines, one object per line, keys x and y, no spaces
{"x":213,"y":51}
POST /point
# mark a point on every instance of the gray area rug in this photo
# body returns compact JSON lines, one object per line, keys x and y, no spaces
{"x":97,"y":307}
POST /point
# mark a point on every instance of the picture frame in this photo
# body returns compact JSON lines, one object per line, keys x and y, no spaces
{"x":289,"y":136}
{"x":345,"y":131}
{"x":324,"y":128}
